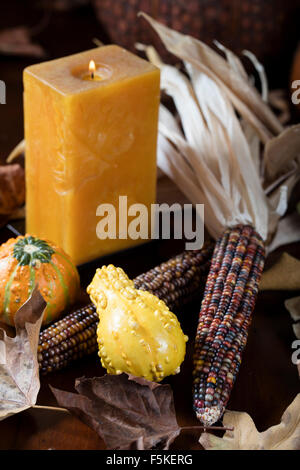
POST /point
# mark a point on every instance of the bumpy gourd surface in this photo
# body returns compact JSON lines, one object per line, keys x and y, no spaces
{"x":137,"y":333}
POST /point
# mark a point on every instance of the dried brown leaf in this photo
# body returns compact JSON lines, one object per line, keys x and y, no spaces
{"x":283,"y":274}
{"x":17,"y":41}
{"x":293,"y":306}
{"x":19,"y":370}
{"x":281,"y":151}
{"x":127,"y":412}
{"x":12,"y":188}
{"x":279,"y":100}
{"x":283,"y":436}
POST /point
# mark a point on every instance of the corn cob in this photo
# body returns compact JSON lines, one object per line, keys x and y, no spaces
{"x":229,"y":299}
{"x":175,"y":281}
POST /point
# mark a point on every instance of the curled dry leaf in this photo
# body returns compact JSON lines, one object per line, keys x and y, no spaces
{"x":293,"y":306}
{"x":17,"y":152}
{"x":283,"y":436}
{"x":17,"y":41}
{"x":127,"y":412}
{"x":19,"y":370}
{"x":281,"y":151}
{"x":283,"y":274}
{"x":12,"y":188}
{"x":280,"y":101}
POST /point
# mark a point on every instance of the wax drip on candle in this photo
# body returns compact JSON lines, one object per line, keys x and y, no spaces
{"x":92,"y":68}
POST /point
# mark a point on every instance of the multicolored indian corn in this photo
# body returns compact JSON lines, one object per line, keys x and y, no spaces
{"x":175,"y":281}
{"x":229,"y":299}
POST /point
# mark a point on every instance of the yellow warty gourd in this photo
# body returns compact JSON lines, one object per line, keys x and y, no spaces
{"x":137,"y":333}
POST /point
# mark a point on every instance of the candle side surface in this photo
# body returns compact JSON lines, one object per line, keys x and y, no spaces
{"x":88,"y":145}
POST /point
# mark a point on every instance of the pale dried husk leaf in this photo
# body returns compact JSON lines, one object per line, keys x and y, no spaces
{"x":245,"y":97}
{"x":293,"y":306}
{"x":296,"y":329}
{"x":17,"y":151}
{"x":261,"y":72}
{"x":279,"y":100}
{"x":280,"y":153}
{"x":214,"y":156}
{"x":288,"y":231}
{"x":283,"y":436}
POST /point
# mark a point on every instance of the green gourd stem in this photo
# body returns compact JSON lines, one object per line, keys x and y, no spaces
{"x":30,"y":251}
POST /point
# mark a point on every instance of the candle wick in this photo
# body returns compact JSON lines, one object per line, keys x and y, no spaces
{"x":92,"y":75}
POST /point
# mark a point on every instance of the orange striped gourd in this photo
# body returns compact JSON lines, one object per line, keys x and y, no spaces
{"x":27,"y":261}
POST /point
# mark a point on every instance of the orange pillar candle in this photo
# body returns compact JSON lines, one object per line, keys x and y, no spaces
{"x":90,"y":138}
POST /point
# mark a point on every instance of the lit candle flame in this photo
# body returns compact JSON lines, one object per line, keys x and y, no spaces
{"x":92,"y":68}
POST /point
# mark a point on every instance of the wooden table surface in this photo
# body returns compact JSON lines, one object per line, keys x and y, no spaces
{"x":267,"y":382}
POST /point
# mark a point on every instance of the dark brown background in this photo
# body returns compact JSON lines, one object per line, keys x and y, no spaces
{"x":269,"y":28}
{"x":268,"y":381}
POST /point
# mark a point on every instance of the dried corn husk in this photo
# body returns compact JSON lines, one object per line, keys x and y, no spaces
{"x":16,"y":152}
{"x":282,"y":153}
{"x":214,"y":153}
{"x":245,"y":97}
